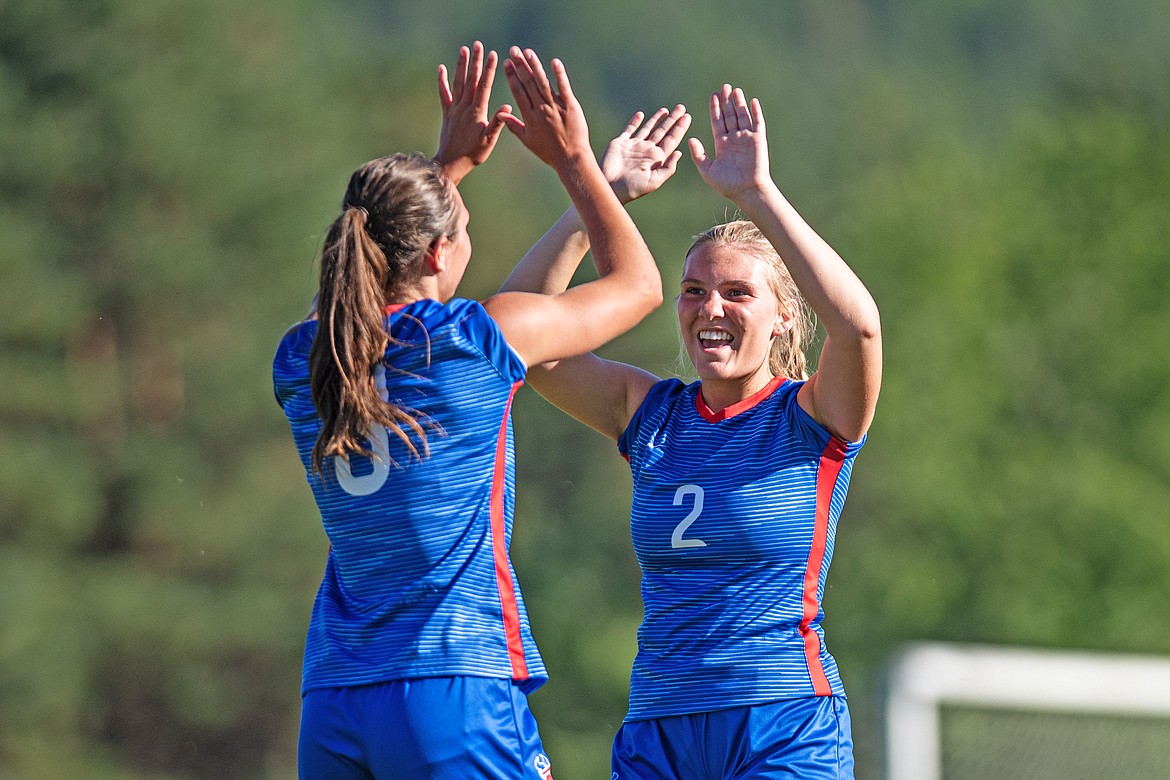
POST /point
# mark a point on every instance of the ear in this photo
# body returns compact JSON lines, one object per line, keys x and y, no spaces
{"x":436,"y":256}
{"x":785,"y":319}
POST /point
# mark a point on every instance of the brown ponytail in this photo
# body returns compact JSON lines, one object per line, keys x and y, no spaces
{"x":394,"y":209}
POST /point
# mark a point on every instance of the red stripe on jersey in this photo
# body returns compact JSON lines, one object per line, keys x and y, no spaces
{"x":739,"y":406}
{"x":508,"y":606}
{"x":828,"y":469}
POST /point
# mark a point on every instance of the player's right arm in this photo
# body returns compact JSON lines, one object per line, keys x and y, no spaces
{"x":602,"y":394}
{"x":549,"y":327}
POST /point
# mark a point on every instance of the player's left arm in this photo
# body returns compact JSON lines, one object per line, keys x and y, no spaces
{"x":842,"y":394}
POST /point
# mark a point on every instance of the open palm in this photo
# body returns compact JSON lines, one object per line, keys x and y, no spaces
{"x":643,"y":156}
{"x":740,"y":159}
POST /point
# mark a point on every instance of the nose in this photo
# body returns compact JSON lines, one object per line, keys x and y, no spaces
{"x":712,"y":306}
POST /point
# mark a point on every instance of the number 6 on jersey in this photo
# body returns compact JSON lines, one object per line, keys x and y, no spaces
{"x":676,"y":539}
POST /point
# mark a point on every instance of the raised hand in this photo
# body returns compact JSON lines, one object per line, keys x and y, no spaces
{"x":551,"y":123}
{"x":643,"y":156}
{"x":467,"y":135}
{"x":740,"y":161}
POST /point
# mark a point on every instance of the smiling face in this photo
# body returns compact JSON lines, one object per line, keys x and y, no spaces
{"x":729,"y":315}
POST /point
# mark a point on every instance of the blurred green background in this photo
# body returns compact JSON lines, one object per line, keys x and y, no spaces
{"x":998,"y":173}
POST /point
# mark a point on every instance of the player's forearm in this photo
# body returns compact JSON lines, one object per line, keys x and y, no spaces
{"x":836,"y":295}
{"x":456,"y":169}
{"x":619,"y":252}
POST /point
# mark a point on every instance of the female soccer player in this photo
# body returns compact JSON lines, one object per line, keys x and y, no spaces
{"x":739,"y":478}
{"x":419,"y":654}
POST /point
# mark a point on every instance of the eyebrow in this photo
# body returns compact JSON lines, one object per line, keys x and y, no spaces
{"x":725,"y":283}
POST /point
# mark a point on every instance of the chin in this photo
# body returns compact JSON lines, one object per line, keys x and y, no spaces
{"x":718,"y":373}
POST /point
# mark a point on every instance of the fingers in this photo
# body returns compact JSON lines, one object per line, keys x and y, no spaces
{"x":564,"y":88}
{"x":670,"y":164}
{"x":757,"y":115}
{"x":483,"y":91}
{"x":540,"y":78}
{"x":475,"y":67}
{"x":514,"y":124}
{"x":731,"y":112}
{"x":739,"y":107}
{"x":498,"y":120}
{"x":516,"y":87}
{"x":521,"y":80}
{"x":718,"y":124}
{"x":445,"y":97}
{"x":495,"y":126}
{"x":632,"y":125}
{"x":471,"y":81}
{"x":529,"y":82}
{"x":659,"y":131}
{"x":670,"y":133}
{"x":675,"y":135}
{"x":698,"y":154}
{"x":664,"y":129}
{"x":473,"y":74}
{"x":460,"y":75}
{"x":530,"y":74}
{"x":646,"y":129}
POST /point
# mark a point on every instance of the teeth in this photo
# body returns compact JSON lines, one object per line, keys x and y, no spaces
{"x":714,"y":335}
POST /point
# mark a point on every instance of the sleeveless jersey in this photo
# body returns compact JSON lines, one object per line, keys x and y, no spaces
{"x":418,"y":582}
{"x":733,"y":521}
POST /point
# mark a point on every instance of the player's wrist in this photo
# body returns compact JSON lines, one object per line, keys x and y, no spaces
{"x":757,"y":194}
{"x":457,"y":168}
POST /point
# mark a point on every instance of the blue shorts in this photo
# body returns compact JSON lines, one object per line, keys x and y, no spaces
{"x":436,"y":728}
{"x":805,"y":738}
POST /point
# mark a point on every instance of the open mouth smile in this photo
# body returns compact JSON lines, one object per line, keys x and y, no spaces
{"x":713,"y":339}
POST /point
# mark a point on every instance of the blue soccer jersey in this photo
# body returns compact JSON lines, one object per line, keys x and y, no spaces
{"x":733,"y":521}
{"x":418,"y":582}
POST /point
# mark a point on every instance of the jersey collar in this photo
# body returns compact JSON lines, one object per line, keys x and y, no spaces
{"x":739,"y":406}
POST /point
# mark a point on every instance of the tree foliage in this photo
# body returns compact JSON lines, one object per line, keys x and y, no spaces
{"x":996,"y":172}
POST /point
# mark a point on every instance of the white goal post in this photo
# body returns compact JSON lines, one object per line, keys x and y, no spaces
{"x":925,"y":677}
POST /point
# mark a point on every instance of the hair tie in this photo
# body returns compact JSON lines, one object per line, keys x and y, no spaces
{"x":362,"y":209}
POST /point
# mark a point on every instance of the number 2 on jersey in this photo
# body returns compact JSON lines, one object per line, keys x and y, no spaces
{"x":676,"y":538}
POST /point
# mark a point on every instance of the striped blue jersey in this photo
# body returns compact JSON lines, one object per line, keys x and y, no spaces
{"x":418,"y":581}
{"x":733,"y":521}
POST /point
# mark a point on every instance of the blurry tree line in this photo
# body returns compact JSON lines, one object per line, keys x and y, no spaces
{"x":998,"y":173}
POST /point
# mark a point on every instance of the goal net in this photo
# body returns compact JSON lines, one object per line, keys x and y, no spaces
{"x":961,"y":712}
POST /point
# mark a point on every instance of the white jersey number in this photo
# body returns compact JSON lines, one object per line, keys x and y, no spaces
{"x":379,"y":439}
{"x":676,"y":538}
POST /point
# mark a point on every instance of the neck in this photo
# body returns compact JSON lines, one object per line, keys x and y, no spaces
{"x":718,"y":394}
{"x":427,"y":288}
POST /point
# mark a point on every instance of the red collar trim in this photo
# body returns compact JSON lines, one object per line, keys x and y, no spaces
{"x":739,"y":406}
{"x":394,"y":308}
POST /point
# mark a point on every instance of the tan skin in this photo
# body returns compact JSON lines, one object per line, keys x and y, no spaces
{"x":728,"y":314}
{"x":552,"y":125}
